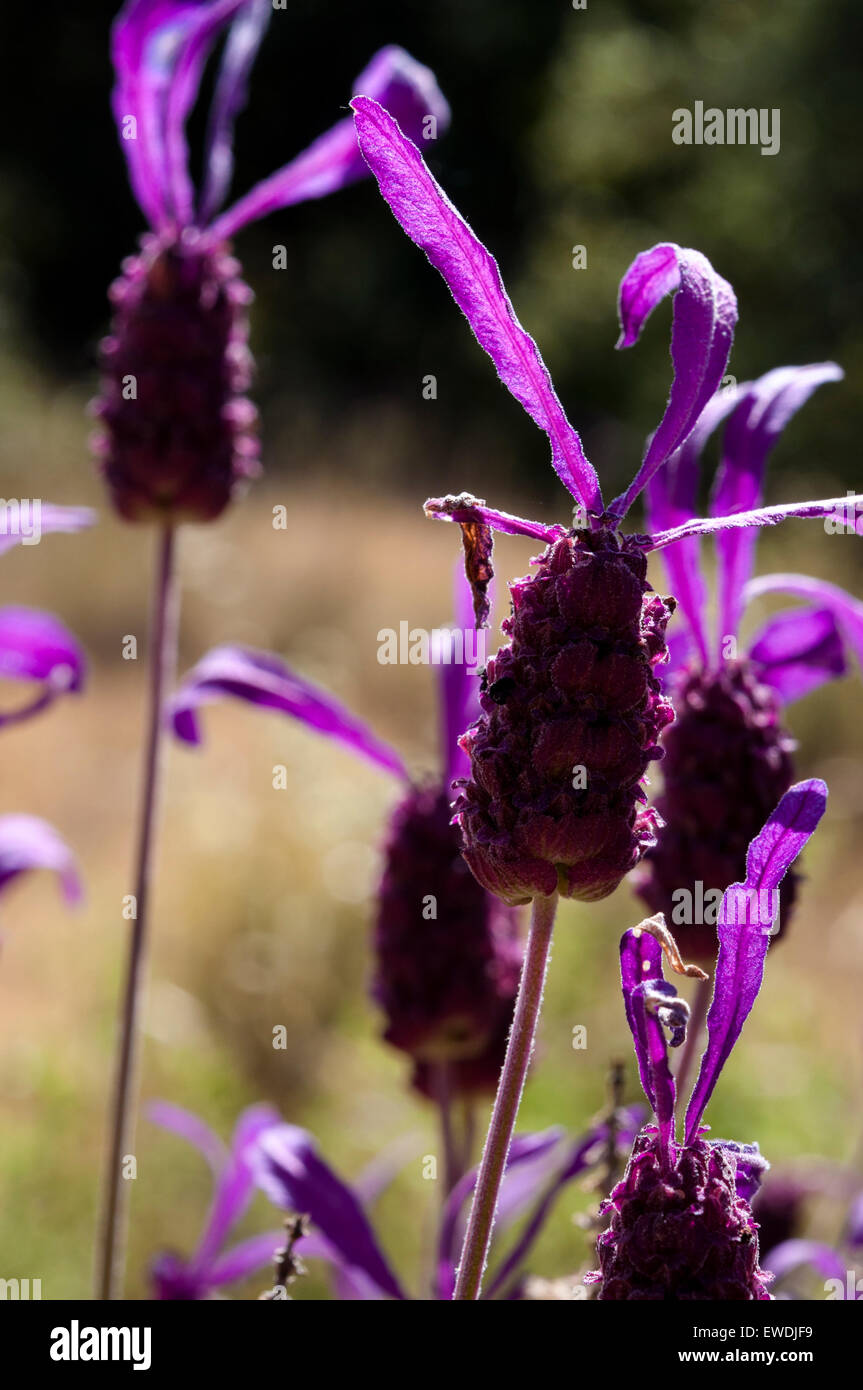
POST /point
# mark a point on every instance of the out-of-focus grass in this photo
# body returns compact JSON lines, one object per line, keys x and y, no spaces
{"x":261,"y":908}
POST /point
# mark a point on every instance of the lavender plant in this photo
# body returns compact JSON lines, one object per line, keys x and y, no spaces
{"x":531,"y":830}
{"x":177,"y":438}
{"x":681,"y":1224}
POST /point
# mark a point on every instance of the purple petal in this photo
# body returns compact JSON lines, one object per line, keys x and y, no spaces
{"x":525,"y":1148}
{"x":159,"y":48}
{"x":797,"y":651}
{"x":791,"y":1254}
{"x":459,"y":683}
{"x":27,"y":521}
{"x":136,"y":94}
{"x":256,"y":1252}
{"x":187,"y":1126}
{"x":705,"y":312}
{"x":244,"y":1258}
{"x":751,"y":1166}
{"x":265,"y":680}
{"x":35,"y":646}
{"x":746,"y":915}
{"x":401,"y":85}
{"x":762,"y":516}
{"x":640,"y":969}
{"x":28,"y":843}
{"x":671,"y":500}
{"x":193,"y":39}
{"x":293,"y":1176}
{"x":235,"y":1184}
{"x":230,"y":96}
{"x":430,"y":220}
{"x":520,"y":1182}
{"x":847,"y":611}
{"x":764,"y":407}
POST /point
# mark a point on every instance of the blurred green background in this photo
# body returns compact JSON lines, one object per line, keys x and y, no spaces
{"x":561,"y":136}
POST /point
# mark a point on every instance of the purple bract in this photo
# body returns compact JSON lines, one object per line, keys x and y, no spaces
{"x":727,"y":754}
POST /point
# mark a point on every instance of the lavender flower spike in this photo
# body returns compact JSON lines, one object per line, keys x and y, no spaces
{"x":680,"y":1220}
{"x":573,"y":710}
{"x":177,"y":436}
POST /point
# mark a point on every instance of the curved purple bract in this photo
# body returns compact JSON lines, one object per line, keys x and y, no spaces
{"x":763,"y":408}
{"x":28,"y":843}
{"x":431,"y":221}
{"x":36,"y":646}
{"x":746,"y":917}
{"x":293,"y":1176}
{"x":234,"y":1174}
{"x":260,"y":678}
{"x":797,"y":651}
{"x":705,"y":313}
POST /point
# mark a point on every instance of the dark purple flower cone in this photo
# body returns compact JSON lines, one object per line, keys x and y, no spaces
{"x":727,"y":764}
{"x":574,"y":689}
{"x":679,"y":1234}
{"x":178,"y":435}
{"x":446,"y":982}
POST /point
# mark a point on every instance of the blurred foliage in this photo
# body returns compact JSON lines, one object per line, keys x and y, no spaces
{"x":561,"y":136}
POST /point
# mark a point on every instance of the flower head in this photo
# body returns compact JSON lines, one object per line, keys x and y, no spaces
{"x":531,"y":824}
{"x":681,"y":1225}
{"x":177,"y":437}
{"x":447,"y":954}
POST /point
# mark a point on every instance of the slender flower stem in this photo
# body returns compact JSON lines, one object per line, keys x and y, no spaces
{"x":518,"y":1054}
{"x":698,"y":1013}
{"x":163,"y":648}
{"x":451,"y":1157}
